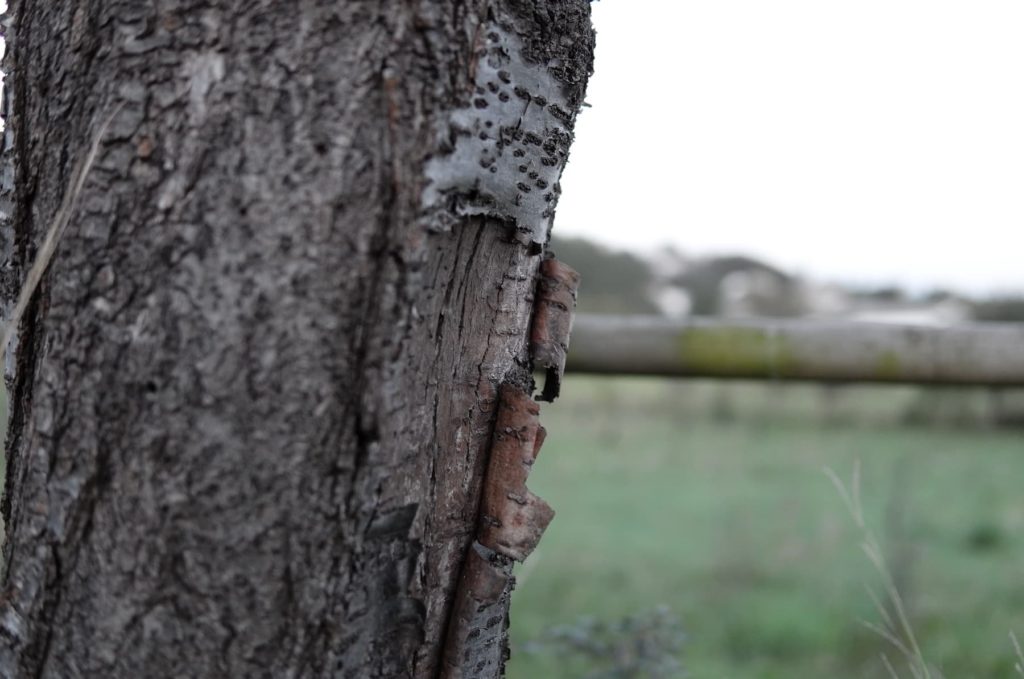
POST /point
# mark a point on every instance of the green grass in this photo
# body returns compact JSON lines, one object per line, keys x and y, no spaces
{"x":711,"y":499}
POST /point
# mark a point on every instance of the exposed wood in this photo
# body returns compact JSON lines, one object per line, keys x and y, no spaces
{"x":799,"y":350}
{"x":512,"y":518}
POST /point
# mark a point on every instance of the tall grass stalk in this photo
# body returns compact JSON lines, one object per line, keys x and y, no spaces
{"x":1019,"y":663}
{"x":55,"y":232}
{"x":895,"y":626}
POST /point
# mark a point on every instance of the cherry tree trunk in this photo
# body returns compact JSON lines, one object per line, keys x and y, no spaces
{"x":252,"y":401}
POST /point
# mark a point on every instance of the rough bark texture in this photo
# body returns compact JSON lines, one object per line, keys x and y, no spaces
{"x":251,"y":403}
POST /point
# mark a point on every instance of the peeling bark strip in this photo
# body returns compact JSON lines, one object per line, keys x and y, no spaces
{"x":512,"y":521}
{"x":554,"y":308}
{"x":512,"y":518}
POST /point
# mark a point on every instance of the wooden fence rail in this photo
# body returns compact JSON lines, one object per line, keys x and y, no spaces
{"x":825,"y":351}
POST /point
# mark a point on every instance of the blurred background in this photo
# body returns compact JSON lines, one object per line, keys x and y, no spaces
{"x":804,"y":160}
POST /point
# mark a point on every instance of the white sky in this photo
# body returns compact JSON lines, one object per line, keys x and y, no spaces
{"x":869,"y":141}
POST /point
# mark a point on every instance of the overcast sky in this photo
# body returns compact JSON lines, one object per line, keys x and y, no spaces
{"x":871,"y":141}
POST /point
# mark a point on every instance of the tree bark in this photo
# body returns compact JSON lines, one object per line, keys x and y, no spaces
{"x":252,"y":401}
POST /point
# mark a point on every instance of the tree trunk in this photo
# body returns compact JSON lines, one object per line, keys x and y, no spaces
{"x":252,"y":401}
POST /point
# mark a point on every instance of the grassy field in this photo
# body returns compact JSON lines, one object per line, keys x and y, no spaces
{"x":710,"y":499}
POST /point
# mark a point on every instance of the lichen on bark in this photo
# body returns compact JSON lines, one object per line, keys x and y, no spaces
{"x":503,"y":151}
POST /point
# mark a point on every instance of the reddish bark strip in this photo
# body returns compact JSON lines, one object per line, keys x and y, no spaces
{"x":512,"y":520}
{"x":552,"y":322}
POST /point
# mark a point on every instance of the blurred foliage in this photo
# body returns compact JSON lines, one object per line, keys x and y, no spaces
{"x":611,"y":281}
{"x":621,"y":282}
{"x":886,"y":293}
{"x":704,"y":278}
{"x":642,"y":646}
{"x":993,"y":407}
{"x":1006,"y":309}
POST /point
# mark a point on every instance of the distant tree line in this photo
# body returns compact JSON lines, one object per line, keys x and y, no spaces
{"x":622,"y":282}
{"x":1002,"y":308}
{"x":617,"y":282}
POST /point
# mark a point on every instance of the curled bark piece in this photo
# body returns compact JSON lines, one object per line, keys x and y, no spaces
{"x":554,"y":308}
{"x":477,"y":644}
{"x":512,"y":519}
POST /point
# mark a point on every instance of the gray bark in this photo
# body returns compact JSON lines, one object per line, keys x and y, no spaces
{"x":252,"y":400}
